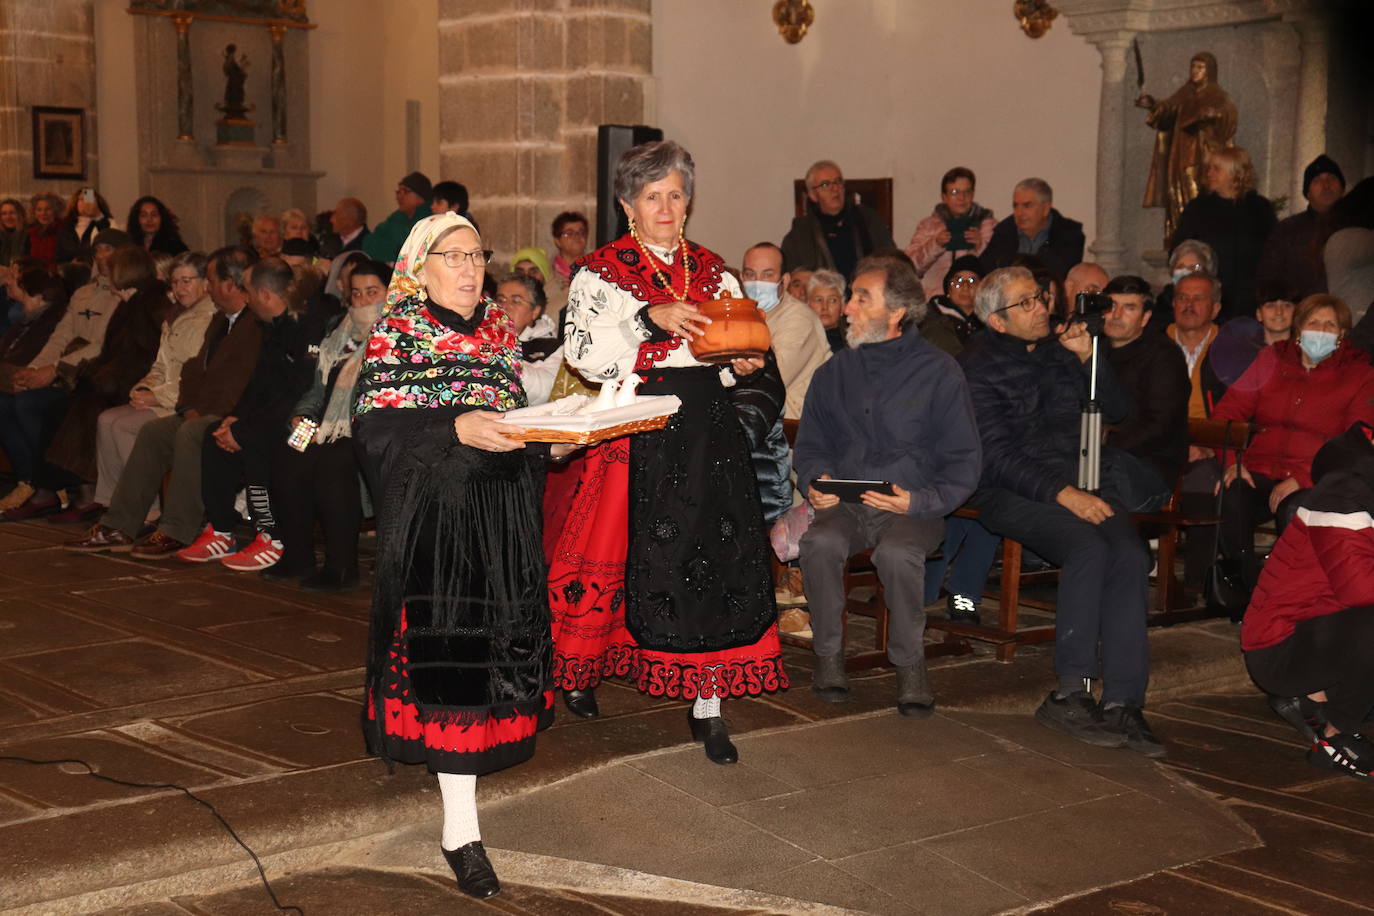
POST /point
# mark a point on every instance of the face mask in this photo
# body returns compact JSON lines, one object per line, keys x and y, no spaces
{"x":762,"y":292}
{"x":1183,"y":272}
{"x":1318,"y":345}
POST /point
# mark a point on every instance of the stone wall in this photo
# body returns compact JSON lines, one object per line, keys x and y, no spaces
{"x":47,"y":57}
{"x":523,"y":86}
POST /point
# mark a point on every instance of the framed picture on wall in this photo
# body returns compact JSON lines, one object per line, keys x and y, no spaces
{"x":59,"y":143}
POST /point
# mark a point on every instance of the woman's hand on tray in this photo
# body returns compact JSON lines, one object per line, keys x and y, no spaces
{"x":483,"y":429}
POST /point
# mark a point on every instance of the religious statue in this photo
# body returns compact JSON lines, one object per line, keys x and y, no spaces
{"x":1190,"y":125}
{"x":235,"y":75}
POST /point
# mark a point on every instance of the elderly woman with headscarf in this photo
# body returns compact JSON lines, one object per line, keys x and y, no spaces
{"x":458,"y":666}
{"x":661,"y":573}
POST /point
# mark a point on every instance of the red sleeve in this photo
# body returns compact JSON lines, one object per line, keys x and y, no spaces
{"x":1344,"y":544}
{"x":1241,"y":400}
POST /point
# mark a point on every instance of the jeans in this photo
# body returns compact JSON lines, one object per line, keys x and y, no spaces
{"x":28,"y":421}
{"x":970,"y":549}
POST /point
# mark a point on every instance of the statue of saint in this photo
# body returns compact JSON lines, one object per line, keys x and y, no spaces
{"x":235,"y":75}
{"x":1195,"y":121}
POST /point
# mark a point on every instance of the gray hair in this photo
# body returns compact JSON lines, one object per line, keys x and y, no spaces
{"x":990,"y":295}
{"x":650,"y":162}
{"x":533,"y":287}
{"x":901,"y":287}
{"x":825,"y":279}
{"x":817,"y":166}
{"x":1204,"y":275}
{"x":1040,"y":186}
{"x":192,"y":259}
{"x":1201,"y":250}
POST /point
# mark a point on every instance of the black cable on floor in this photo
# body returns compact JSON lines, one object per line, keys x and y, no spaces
{"x":90,"y":771}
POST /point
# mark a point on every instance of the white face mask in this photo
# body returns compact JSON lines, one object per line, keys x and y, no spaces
{"x":1181,"y":272}
{"x":764,"y":293}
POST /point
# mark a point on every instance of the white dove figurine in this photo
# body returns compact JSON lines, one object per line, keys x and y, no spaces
{"x":625,"y":396}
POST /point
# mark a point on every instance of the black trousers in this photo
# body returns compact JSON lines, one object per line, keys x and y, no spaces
{"x":223,"y":474}
{"x":319,"y":484}
{"x":1244,"y":508}
{"x":1102,"y":588}
{"x":1334,"y":653}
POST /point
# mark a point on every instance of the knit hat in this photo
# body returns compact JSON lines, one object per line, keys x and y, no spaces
{"x":1350,"y":448}
{"x":536,"y":256}
{"x":115,"y":238}
{"x":966,"y":263}
{"x":1322,"y":165}
{"x":418,"y":183}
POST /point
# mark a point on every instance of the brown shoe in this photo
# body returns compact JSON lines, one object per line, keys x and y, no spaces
{"x":101,"y":538}
{"x":156,"y":546}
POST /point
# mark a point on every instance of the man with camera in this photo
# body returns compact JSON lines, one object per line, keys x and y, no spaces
{"x":1154,"y":372}
{"x":891,"y":413}
{"x":1029,"y":387}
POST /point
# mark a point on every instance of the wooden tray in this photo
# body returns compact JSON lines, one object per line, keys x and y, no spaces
{"x":587,"y":437}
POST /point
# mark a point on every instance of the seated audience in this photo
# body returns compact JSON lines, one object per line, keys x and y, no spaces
{"x":522,"y":298}
{"x":958,"y":228}
{"x":131,"y":341}
{"x":88,"y":215}
{"x":825,"y":295}
{"x":570,"y":234}
{"x":919,"y":436}
{"x":1242,"y":338}
{"x":14,"y":236}
{"x":533,"y":262}
{"x":1197,"y":301}
{"x":450,"y":196}
{"x":956,"y":303}
{"x":796,"y":287}
{"x":1235,"y":221}
{"x":1036,"y":228}
{"x":1028,"y":388}
{"x":42,"y":299}
{"x":412,"y":205}
{"x":321,"y":481}
{"x":156,"y":394}
{"x":1299,"y":393}
{"x":1308,"y":635}
{"x":1188,"y":257}
{"x":1154,"y":375}
{"x":267,"y":237}
{"x":296,"y":225}
{"x":1083,"y":278}
{"x":238,"y":452}
{"x":348,"y":220}
{"x":48,"y":210}
{"x":211,"y":383}
{"x":798,"y":337}
{"x":153,"y":227}
{"x":1292,"y":259}
{"x":834,"y":232}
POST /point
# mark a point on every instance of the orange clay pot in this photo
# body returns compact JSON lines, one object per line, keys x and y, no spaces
{"x":737,"y":331}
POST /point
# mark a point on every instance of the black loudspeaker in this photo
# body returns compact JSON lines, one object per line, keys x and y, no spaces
{"x":612,"y":142}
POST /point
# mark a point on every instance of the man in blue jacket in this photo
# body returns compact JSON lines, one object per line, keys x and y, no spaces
{"x":1028,"y":388}
{"x":890,"y":407}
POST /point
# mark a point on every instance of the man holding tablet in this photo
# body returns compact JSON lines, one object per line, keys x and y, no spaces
{"x":887,"y":448}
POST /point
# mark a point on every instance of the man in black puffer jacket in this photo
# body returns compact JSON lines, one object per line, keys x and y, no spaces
{"x":1028,"y":390}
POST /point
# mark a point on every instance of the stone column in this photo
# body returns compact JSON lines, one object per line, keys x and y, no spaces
{"x":523,"y":85}
{"x":1109,"y":247}
{"x":185,"y":93}
{"x":278,"y":32}
{"x":1314,"y":38}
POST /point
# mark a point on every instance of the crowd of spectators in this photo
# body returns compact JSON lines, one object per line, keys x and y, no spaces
{"x":156,"y":394}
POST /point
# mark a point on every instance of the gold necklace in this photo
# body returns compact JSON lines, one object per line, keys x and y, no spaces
{"x":655,"y":260}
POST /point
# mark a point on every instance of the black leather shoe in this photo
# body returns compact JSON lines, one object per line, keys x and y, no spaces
{"x":278,"y":574}
{"x":330,"y":580}
{"x":712,"y":731}
{"x":581,"y":703}
{"x":472,"y":868}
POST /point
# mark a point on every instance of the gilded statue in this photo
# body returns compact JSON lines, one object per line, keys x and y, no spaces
{"x":1195,"y":121}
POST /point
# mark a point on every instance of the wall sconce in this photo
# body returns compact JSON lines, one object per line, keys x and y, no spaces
{"x":793,"y":18}
{"x":1035,"y":16}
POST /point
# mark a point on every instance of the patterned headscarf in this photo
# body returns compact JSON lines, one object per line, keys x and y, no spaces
{"x":409,"y":276}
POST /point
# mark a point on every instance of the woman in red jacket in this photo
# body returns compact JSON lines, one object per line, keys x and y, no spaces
{"x":1308,"y":635}
{"x":1300,"y":393}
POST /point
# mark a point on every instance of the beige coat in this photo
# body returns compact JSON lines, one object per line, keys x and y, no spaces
{"x":80,"y":335}
{"x":182,"y":338}
{"x":800,"y":346}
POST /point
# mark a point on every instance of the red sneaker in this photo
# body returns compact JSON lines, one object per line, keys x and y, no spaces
{"x":260,"y":554}
{"x":211,"y":545}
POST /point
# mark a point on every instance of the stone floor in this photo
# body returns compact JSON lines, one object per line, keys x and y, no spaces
{"x":247,"y":693}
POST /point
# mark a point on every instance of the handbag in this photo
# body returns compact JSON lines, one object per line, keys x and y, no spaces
{"x":1226,"y":583}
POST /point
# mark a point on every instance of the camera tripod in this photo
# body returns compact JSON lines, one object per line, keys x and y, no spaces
{"x":1090,"y":431}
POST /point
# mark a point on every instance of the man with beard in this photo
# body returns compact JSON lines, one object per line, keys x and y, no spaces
{"x":893,"y":408}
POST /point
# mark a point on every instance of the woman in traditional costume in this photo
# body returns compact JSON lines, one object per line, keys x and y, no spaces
{"x":661,"y":574}
{"x":458,"y":664}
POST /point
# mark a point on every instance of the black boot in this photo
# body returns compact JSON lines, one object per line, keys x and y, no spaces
{"x":581,"y":703}
{"x":712,"y":731}
{"x":828,"y":681}
{"x":472,"y":868}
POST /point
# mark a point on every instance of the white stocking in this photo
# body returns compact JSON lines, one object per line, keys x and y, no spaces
{"x":706,"y":709}
{"x":459,"y":792}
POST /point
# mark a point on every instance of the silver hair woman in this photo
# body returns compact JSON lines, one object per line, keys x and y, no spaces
{"x":675,"y":594}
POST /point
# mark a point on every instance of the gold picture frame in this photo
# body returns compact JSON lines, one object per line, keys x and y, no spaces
{"x":59,"y":143}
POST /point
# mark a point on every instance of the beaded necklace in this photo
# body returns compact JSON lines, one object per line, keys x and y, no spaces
{"x":655,"y":260}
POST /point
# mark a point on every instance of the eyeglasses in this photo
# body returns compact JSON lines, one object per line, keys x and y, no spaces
{"x":512,"y":300}
{"x":828,"y":184}
{"x":963,"y":281}
{"x":1027,"y":304}
{"x":959,"y":192}
{"x":455,"y":258}
{"x":572,"y":233}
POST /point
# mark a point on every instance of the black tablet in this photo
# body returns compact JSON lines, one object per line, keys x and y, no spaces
{"x":850,"y":490}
